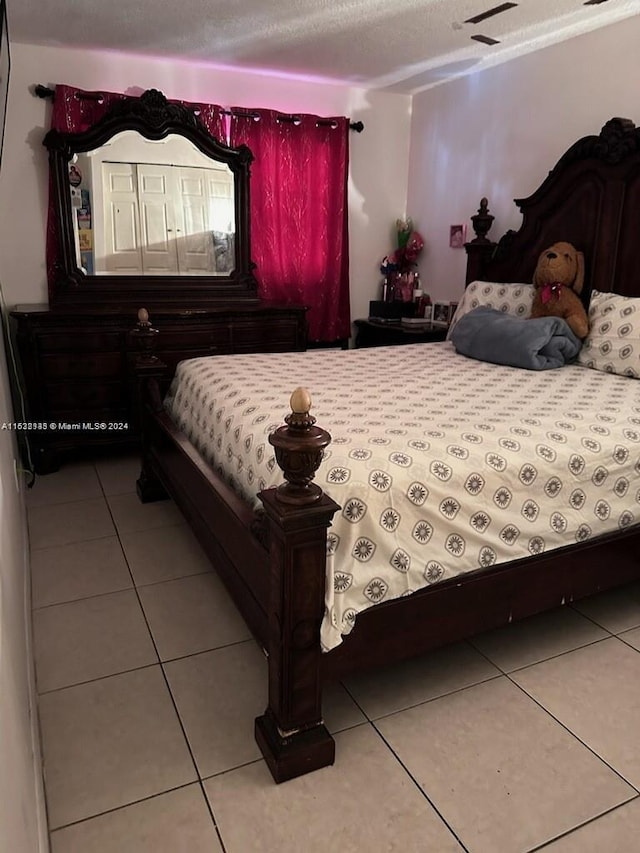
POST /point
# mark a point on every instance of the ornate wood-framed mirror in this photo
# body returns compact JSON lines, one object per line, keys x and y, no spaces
{"x":150,"y":208}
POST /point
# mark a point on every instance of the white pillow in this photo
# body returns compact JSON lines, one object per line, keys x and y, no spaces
{"x":513,"y":299}
{"x":613,"y":342}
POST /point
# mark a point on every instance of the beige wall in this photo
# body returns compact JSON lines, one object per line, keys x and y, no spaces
{"x":378,"y":160}
{"x":498,"y":133}
{"x":22,"y":821}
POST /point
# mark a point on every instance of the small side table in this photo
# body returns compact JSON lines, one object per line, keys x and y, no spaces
{"x":374,"y":333}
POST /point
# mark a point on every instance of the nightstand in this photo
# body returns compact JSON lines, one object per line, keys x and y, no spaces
{"x":377,"y":333}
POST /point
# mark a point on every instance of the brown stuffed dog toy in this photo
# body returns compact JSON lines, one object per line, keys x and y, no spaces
{"x":558,"y":279}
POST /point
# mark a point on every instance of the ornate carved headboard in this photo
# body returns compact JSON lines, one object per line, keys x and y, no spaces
{"x":592,"y":199}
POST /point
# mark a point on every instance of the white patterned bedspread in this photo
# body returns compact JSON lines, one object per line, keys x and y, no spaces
{"x":441,"y":464}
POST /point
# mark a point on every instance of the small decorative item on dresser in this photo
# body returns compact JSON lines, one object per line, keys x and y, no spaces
{"x":441,"y":313}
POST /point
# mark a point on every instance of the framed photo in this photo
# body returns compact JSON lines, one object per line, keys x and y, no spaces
{"x":457,"y":236}
{"x":4,"y":69}
{"x":441,"y":313}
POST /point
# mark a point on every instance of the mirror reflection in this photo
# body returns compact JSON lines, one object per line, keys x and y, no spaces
{"x":152,"y":207}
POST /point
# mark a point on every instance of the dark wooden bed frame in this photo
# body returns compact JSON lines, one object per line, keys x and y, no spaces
{"x":274,"y":565}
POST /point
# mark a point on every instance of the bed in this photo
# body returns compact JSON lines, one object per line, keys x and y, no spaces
{"x":280,"y":549}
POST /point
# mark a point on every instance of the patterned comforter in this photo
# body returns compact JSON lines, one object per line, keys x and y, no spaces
{"x":441,"y":464}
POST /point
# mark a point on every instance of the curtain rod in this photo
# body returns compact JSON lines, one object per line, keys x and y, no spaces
{"x":41,"y":91}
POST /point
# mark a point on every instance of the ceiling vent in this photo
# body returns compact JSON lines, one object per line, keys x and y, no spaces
{"x":485,"y":39}
{"x":496,"y":11}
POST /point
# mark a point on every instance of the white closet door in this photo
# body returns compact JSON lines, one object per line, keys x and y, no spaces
{"x":195,"y":241}
{"x":220,"y":191}
{"x":119,"y":251}
{"x":158,"y":232}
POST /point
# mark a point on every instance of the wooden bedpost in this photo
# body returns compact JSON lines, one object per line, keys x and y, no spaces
{"x":148,"y":370}
{"x":480,"y":249}
{"x":291,"y":733}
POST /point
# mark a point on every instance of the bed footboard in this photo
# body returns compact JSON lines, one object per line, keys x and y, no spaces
{"x":291,"y":733}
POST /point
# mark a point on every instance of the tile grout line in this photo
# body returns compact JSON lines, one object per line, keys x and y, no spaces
{"x":575,"y":736}
{"x":166,"y":680}
{"x":114,"y":591}
{"x":593,"y":620}
{"x":553,"y":656}
{"x":198,"y":779}
{"x":581,"y":825}
{"x":120,"y":808}
{"x":559,"y":722}
{"x":372,"y":723}
{"x":420,"y":788}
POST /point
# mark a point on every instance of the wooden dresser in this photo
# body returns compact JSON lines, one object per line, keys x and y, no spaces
{"x":75,"y":362}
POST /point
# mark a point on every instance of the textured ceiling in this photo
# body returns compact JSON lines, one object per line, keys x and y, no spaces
{"x":402,"y":45}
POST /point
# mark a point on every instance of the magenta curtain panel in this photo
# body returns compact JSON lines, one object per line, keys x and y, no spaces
{"x":299,"y":231}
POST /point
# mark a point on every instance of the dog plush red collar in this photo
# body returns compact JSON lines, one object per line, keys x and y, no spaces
{"x":550,"y":290}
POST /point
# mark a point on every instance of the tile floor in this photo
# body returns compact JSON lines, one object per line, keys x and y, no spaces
{"x":148,"y":682}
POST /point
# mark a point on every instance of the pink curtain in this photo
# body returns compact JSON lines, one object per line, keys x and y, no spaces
{"x":299,"y":233}
{"x":74,"y":111}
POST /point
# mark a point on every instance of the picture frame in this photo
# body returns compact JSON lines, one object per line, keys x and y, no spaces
{"x":457,"y":236}
{"x":5,"y":67}
{"x":441,"y":313}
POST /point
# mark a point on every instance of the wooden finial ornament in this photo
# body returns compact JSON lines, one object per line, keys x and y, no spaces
{"x":299,"y":447}
{"x":482,"y":222}
{"x":145,"y":337}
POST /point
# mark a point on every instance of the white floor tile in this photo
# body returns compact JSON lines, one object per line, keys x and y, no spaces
{"x":88,"y":639}
{"x":118,"y":475}
{"x":65,"y":523}
{"x":70,"y":572}
{"x":176,"y":822}
{"x":163,"y":553}
{"x":73,"y":482}
{"x":191,"y":615}
{"x":218,"y":696}
{"x":616,"y":610}
{"x":130,"y":514}
{"x":109,"y":743}
{"x":537,"y":638}
{"x":499,"y":769}
{"x":365,"y":802}
{"x":395,"y":688}
{"x":595,"y":693}
{"x":615,"y":832}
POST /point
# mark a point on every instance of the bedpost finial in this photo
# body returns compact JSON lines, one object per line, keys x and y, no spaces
{"x":144,"y":336}
{"x":299,"y":448}
{"x":481,"y":221}
{"x":300,"y":401}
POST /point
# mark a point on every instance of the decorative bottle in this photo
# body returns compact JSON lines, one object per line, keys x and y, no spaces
{"x":418,"y":302}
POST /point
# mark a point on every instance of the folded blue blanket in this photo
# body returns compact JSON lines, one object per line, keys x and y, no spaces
{"x":539,"y":344}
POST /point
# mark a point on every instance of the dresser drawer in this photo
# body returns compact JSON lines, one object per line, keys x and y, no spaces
{"x":92,"y":364}
{"x":276,"y":336}
{"x":194,"y":338}
{"x":72,"y":341}
{"x":84,"y":396}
